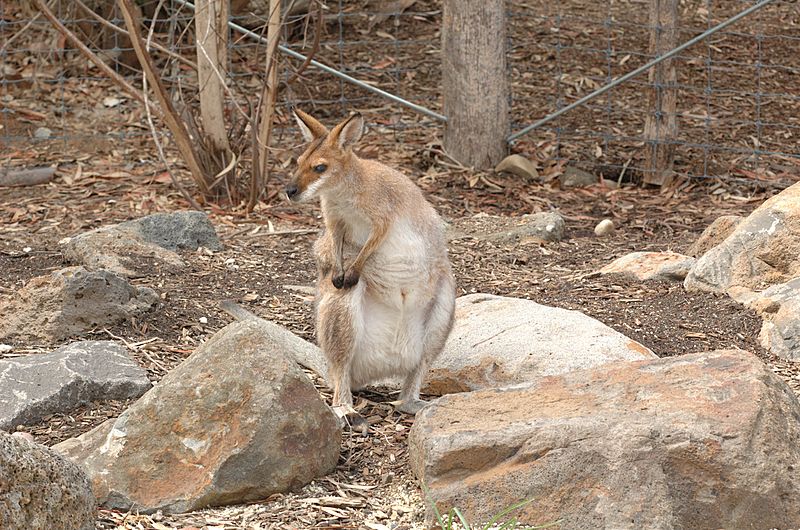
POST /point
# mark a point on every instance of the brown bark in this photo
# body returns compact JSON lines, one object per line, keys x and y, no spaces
{"x":661,"y":126}
{"x":474,"y":80}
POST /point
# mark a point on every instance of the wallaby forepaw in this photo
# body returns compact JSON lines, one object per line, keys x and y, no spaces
{"x":345,"y":281}
{"x":351,"y":279}
{"x":411,"y":406}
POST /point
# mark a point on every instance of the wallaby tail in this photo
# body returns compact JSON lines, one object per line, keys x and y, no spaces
{"x":236,"y":311}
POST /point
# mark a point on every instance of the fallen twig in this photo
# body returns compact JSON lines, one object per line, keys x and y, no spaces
{"x":26,"y":177}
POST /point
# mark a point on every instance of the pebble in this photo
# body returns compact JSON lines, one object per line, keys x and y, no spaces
{"x":42,"y":133}
{"x":604,"y":227}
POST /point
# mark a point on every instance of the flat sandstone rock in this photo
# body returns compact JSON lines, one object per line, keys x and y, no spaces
{"x":644,"y":266}
{"x":499,"y":341}
{"x":708,"y":440}
{"x":236,"y":422}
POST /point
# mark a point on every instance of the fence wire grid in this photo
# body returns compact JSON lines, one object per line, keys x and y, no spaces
{"x":738,"y":103}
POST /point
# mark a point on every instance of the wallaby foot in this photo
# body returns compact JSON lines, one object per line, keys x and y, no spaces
{"x":350,"y":419}
{"x":410,"y":406}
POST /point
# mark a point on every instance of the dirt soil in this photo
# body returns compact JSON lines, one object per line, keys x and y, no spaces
{"x":108,"y":171}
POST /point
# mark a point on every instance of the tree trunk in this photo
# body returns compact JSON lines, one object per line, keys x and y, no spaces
{"x":474,"y":80}
{"x":661,"y":126}
{"x":211,"y":34}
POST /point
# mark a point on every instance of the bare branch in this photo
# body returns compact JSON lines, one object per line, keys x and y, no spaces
{"x":314,"y":47}
{"x":170,"y":116}
{"x":173,"y":178}
{"x":75,"y":41}
{"x":266,"y":108}
{"x":211,"y":35}
{"x":89,"y":11}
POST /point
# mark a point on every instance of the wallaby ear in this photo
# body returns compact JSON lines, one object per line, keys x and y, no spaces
{"x":347,"y":133}
{"x":309,"y":126}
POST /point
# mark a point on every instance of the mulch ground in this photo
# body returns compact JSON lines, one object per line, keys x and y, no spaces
{"x":267,"y":266}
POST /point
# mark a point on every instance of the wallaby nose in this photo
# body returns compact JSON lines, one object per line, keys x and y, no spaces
{"x":291,"y":191}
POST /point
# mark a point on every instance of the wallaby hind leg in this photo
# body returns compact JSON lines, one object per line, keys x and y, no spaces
{"x":437,"y":324}
{"x":336,"y":336}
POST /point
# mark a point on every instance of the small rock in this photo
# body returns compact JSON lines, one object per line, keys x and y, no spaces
{"x":23,"y":436}
{"x":703,"y":440}
{"x":111,"y":101}
{"x":779,"y":306}
{"x":498,"y":341}
{"x":5,"y":348}
{"x":518,"y":165}
{"x":42,"y":133}
{"x":651,"y":266}
{"x":714,"y":234}
{"x":213,"y":431}
{"x":761,"y":251}
{"x":34,"y":386}
{"x":120,"y":248}
{"x":41,"y":490}
{"x":576,"y":178}
{"x":70,"y":302}
{"x":604,"y":227}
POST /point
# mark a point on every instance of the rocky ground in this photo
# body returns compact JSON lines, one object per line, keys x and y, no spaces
{"x":266,"y":265}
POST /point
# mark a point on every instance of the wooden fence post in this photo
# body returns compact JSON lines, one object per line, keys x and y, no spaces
{"x":661,"y":126}
{"x":474,"y":81}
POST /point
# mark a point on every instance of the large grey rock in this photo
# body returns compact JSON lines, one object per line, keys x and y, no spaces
{"x":176,"y":231}
{"x":41,"y":490}
{"x":699,"y":441}
{"x":70,"y":302}
{"x":122,"y":248}
{"x":498,"y":341}
{"x":34,"y":386}
{"x":763,"y":250}
{"x":236,"y":422}
{"x":538,"y":227}
{"x":714,"y":234}
{"x":646,"y":266}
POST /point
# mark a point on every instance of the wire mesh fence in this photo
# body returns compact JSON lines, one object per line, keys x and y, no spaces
{"x":737,"y":111}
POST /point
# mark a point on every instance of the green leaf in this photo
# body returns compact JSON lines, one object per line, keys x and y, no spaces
{"x":505,"y":512}
{"x":462,"y":518}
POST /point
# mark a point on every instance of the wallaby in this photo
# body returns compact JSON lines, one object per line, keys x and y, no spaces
{"x":385,"y":290}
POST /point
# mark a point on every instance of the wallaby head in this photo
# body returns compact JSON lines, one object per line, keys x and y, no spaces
{"x":328,"y":158}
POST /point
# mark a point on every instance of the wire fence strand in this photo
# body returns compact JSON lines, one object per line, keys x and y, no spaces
{"x":577,"y":63}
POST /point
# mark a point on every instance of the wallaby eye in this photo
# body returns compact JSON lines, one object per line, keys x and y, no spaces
{"x":320,"y":168}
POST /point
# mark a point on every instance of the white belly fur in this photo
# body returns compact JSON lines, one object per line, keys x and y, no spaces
{"x":388,"y":308}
